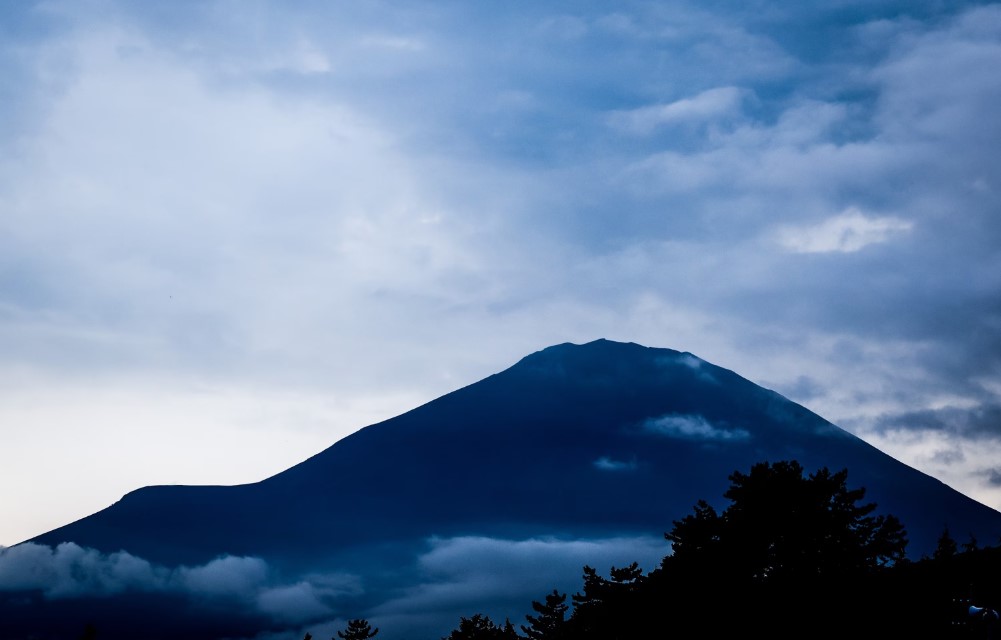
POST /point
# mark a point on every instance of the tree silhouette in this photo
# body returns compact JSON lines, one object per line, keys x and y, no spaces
{"x":358,"y":629}
{"x":550,"y":623}
{"x":971,"y":544}
{"x":481,"y":627}
{"x":946,"y":547}
{"x":609,"y":608}
{"x":784,"y":527}
{"x":789,"y":550}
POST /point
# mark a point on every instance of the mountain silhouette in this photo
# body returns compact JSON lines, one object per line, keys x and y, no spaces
{"x":597,"y":440}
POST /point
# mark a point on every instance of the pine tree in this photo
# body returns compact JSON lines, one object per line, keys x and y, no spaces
{"x":946,"y":547}
{"x":971,"y":544}
{"x":784,"y":527}
{"x":606,"y":607}
{"x":481,"y":627}
{"x":551,"y":622}
{"x":358,"y":629}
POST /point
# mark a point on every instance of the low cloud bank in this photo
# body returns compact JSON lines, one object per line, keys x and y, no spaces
{"x":466,"y":575}
{"x":69,"y":571}
{"x":451,"y":578}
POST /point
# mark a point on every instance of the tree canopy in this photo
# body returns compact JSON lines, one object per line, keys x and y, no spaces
{"x":481,"y":627}
{"x":784,"y":526}
{"x":358,"y":629}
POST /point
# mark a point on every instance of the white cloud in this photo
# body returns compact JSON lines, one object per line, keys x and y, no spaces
{"x":70,"y":571}
{"x":478,"y":567}
{"x":846,"y":232}
{"x":305,"y":57}
{"x":229,"y":576}
{"x":500,"y":577}
{"x":692,"y":427}
{"x":406,"y":44}
{"x":708,"y":105}
{"x":693,"y":363}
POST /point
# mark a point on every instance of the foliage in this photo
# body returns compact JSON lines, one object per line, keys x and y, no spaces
{"x":946,"y":547}
{"x":358,"y":629}
{"x":608,"y":607}
{"x":551,"y":621}
{"x":784,"y":527}
{"x":788,"y":547}
{"x":481,"y":627}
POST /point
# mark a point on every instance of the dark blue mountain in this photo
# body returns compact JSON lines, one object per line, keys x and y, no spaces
{"x":591,"y":441}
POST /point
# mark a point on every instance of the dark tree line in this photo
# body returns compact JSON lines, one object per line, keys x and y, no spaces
{"x":792,"y":556}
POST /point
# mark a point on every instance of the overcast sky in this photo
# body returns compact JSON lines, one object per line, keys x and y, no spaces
{"x":233,"y":232}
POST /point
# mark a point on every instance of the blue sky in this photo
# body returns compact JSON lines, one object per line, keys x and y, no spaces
{"x":233,"y":232}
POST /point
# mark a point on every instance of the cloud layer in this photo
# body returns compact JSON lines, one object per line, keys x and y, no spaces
{"x":243,"y":584}
{"x":452,"y":578}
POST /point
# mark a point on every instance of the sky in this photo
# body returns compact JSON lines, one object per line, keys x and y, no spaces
{"x":232,"y":233}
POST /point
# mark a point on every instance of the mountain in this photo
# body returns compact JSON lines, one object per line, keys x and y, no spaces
{"x":574,"y":444}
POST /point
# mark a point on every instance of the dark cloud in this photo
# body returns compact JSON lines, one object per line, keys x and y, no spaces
{"x":801,"y":389}
{"x":994,"y":477}
{"x":981,"y":422}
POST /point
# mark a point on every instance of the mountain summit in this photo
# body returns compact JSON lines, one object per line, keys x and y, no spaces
{"x":598,"y":441}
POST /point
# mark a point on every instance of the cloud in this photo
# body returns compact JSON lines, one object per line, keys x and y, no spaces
{"x":229,"y":576}
{"x":71,"y":571}
{"x":460,"y":576}
{"x":401,"y":43}
{"x":708,"y":105}
{"x":499,"y":577}
{"x":305,"y":57}
{"x":608,"y":464}
{"x":981,"y":421}
{"x":293,"y":603}
{"x":692,"y":427}
{"x":693,"y":363}
{"x":846,"y":232}
{"x":994,"y":476}
{"x":690,"y":361}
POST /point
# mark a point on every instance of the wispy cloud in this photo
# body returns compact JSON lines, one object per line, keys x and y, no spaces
{"x":610,"y":464}
{"x":706,"y":106}
{"x":847,"y":232}
{"x":692,"y":427}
